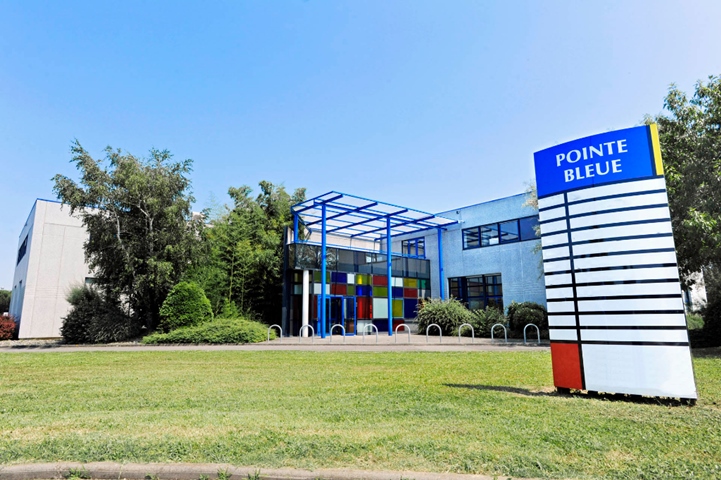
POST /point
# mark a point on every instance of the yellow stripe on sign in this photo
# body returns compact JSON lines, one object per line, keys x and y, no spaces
{"x":656,"y":148}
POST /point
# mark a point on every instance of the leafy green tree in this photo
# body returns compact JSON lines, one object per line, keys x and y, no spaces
{"x":244,"y":252}
{"x":138,"y":216}
{"x":5,"y":301}
{"x":690,"y":136}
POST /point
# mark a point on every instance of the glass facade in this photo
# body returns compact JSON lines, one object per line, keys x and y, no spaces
{"x":511,"y":231}
{"x":478,"y":291}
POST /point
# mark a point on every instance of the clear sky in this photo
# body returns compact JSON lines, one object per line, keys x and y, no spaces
{"x":431,"y":105}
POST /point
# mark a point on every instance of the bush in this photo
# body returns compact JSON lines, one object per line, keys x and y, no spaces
{"x":447,"y":314}
{"x":8,"y":327}
{"x":185,"y":306}
{"x":694,"y":321}
{"x":94,"y":319}
{"x":483,"y":320}
{"x":710,"y":334}
{"x":220,"y":330}
{"x":521,"y":314}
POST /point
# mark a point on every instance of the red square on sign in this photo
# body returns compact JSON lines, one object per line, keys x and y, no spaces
{"x":566,"y":362}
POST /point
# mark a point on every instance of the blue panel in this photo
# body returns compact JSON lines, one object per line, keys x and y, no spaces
{"x":363,"y":290}
{"x":397,"y":292}
{"x":409,"y":307}
{"x":339,"y":277}
{"x":382,"y":325}
{"x":606,"y":158}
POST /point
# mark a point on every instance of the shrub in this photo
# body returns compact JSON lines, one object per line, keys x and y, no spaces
{"x":710,"y":334}
{"x":95,"y":319}
{"x":220,"y":330}
{"x":521,"y":314}
{"x":447,"y":314}
{"x":694,"y":321}
{"x":185,"y":306}
{"x":8,"y":327}
{"x":229,"y":310}
{"x":483,"y":320}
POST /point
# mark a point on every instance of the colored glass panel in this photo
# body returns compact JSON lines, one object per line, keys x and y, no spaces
{"x":381,"y":325}
{"x":380,"y":292}
{"x":397,"y":292}
{"x":397,"y":281}
{"x":411,"y":282}
{"x":362,"y":279}
{"x":409,"y":308}
{"x":380,"y":308}
{"x":363,"y":306}
{"x":339,"y":277}
{"x":380,"y":280}
{"x":338,"y":289}
{"x":410,"y":292}
{"x":316,"y":276}
{"x":397,"y":308}
{"x":363,"y":290}
{"x":400,"y":330}
{"x":422,"y":283}
{"x":351,"y":278}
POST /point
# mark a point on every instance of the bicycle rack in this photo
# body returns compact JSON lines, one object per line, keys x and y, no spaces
{"x":473,"y":334}
{"x":312,"y":333}
{"x":537,"y":331}
{"x":331,"y":331}
{"x":279,"y":328}
{"x":505,"y":333}
{"x":366,"y":328}
{"x":408,"y":329}
{"x":440,"y":332}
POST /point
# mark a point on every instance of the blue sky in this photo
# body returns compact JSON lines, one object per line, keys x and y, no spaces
{"x":432,"y":105}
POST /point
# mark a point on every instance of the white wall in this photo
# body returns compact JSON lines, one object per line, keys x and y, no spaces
{"x":53,"y":265}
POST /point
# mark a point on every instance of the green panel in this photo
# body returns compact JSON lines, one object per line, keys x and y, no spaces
{"x":422,"y":283}
{"x":410,"y":282}
{"x":398,"y":308}
{"x":362,"y":279}
{"x":380,"y":292}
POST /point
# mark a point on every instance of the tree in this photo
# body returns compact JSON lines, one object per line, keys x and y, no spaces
{"x":690,"y":136}
{"x":5,"y":301}
{"x":138,"y":216}
{"x":244,"y":251}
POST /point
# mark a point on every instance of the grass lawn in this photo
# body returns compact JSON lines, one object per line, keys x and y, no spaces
{"x":484,"y":412}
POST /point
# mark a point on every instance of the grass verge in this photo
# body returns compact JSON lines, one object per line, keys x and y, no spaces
{"x":484,"y":412}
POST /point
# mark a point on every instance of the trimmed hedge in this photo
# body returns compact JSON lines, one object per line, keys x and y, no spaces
{"x":185,"y":306}
{"x":220,"y":330}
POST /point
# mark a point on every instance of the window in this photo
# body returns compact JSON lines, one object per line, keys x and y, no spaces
{"x":479,"y":291}
{"x":415,"y":247}
{"x":511,"y":231}
{"x":23,"y":249}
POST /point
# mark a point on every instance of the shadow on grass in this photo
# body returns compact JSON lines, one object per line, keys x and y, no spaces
{"x":561,"y":393}
{"x":713,"y":352}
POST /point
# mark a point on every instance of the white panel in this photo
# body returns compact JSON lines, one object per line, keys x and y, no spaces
{"x":557,"y":239}
{"x":316,"y":289}
{"x":556,"y":307}
{"x":617,"y":189}
{"x":618,"y":202}
{"x":665,"y":288}
{"x":559,"y":266}
{"x":623,"y":245}
{"x":297,"y":289}
{"x":557,"y":212}
{"x":550,"y":227}
{"x":634,"y":320}
{"x":630,"y":305}
{"x":562,"y":320}
{"x":397,"y":282}
{"x":622,"y":231}
{"x":626,"y":274}
{"x":605,"y":335}
{"x":620,"y":217}
{"x":558,"y":252}
{"x":559,"y":293}
{"x":625,"y":260}
{"x":562,"y":279}
{"x":550,"y":201}
{"x":380,"y":308}
{"x":555,"y":334}
{"x":351,"y":278}
{"x":642,"y":370}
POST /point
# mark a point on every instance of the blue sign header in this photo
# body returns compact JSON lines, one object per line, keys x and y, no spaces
{"x":605,"y":158}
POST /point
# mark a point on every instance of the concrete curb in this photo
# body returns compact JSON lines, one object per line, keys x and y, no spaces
{"x":193,"y":471}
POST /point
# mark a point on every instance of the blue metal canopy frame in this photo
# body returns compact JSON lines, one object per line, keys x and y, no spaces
{"x":357,"y":217}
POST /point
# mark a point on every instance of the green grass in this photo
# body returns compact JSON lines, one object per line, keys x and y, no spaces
{"x":484,"y":412}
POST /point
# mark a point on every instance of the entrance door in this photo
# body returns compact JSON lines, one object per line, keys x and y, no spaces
{"x":339,"y":310}
{"x":349,"y":315}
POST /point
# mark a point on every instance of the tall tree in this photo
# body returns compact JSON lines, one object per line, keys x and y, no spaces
{"x":138,"y":216}
{"x":5,"y":301}
{"x":244,"y":251}
{"x":690,"y":136}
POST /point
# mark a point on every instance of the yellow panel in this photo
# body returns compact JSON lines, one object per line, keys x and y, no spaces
{"x":410,"y":282}
{"x":656,"y":149}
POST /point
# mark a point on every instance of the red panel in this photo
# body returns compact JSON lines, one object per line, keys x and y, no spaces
{"x":363,"y":307}
{"x":566,"y":365}
{"x":396,"y":323}
{"x":410,"y":292}
{"x":380,"y":280}
{"x":338,"y":289}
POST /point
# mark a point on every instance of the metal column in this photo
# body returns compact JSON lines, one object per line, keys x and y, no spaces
{"x":389,"y":264}
{"x":323,"y":258}
{"x":305,"y":302}
{"x":295,"y":228}
{"x":440,"y":264}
